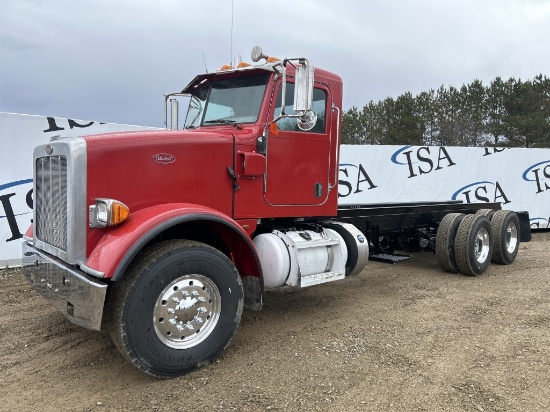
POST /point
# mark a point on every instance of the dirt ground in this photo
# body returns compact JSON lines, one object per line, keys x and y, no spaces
{"x":394,"y":338}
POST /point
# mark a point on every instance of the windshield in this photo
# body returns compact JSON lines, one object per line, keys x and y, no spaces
{"x":235,"y":100}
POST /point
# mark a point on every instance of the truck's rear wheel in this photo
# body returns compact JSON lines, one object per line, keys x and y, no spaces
{"x":506,"y":231}
{"x":488,"y":213}
{"x":445,"y":241}
{"x":474,"y":245}
{"x":176,"y":309}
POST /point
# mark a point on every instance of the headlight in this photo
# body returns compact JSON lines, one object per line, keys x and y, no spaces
{"x":107,"y":212}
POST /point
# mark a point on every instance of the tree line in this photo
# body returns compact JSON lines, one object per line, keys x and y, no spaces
{"x":512,"y":113}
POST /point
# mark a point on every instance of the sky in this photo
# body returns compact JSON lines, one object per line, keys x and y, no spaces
{"x":112,"y":60}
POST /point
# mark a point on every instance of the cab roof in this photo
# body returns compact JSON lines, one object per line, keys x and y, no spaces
{"x":201,"y":79}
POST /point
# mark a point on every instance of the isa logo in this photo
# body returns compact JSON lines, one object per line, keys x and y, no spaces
{"x":15,"y":203}
{"x":538,"y":173}
{"x":483,"y":191}
{"x":540,"y":222}
{"x":353,"y":179}
{"x":422,"y":160}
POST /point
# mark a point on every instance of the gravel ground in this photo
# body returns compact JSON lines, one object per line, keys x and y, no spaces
{"x":396,"y":337}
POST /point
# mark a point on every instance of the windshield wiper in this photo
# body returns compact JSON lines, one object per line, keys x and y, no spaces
{"x":225,"y":121}
{"x":220,"y":121}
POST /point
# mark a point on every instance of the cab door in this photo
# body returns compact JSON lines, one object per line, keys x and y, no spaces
{"x":298,"y":162}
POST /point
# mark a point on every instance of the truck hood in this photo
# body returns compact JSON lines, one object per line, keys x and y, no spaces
{"x":147,"y":168}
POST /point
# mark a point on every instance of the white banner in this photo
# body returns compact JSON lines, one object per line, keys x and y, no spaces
{"x":517,"y":178}
{"x":19,"y":134}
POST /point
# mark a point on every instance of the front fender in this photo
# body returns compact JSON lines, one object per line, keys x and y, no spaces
{"x":120,"y":245}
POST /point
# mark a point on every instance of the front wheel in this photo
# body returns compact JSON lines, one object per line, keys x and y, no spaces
{"x":176,"y":309}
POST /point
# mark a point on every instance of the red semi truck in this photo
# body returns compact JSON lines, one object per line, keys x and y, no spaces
{"x":162,"y":237}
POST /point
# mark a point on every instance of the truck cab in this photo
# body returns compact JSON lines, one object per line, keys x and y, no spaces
{"x":283,"y":166}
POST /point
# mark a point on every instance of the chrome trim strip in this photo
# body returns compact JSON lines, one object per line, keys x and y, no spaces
{"x":330,"y":187}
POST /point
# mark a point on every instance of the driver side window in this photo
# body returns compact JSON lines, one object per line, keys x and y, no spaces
{"x":318,"y":106}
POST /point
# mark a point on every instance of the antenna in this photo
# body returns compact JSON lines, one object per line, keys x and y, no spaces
{"x":231,"y":57}
{"x":203,"y":58}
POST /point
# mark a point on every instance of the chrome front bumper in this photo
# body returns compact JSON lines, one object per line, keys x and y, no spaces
{"x":78,"y":296}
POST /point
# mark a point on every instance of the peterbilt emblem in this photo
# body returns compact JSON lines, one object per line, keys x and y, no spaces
{"x":164,"y":158}
{"x":49,"y":150}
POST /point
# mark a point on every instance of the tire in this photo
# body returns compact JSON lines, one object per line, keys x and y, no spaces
{"x":176,"y":278}
{"x":506,"y":231}
{"x":445,"y":241}
{"x":488,"y":213}
{"x":474,"y":245}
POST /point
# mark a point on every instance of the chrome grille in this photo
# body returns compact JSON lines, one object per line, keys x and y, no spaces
{"x":50,"y":201}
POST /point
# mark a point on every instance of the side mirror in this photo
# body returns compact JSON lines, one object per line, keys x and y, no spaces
{"x":303,"y":93}
{"x":307,"y":121}
{"x":303,"y":96}
{"x":303,"y":90}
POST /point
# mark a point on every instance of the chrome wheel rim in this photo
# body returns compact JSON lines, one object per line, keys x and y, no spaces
{"x":187,"y":311}
{"x":511,"y":237}
{"x":482,"y":245}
